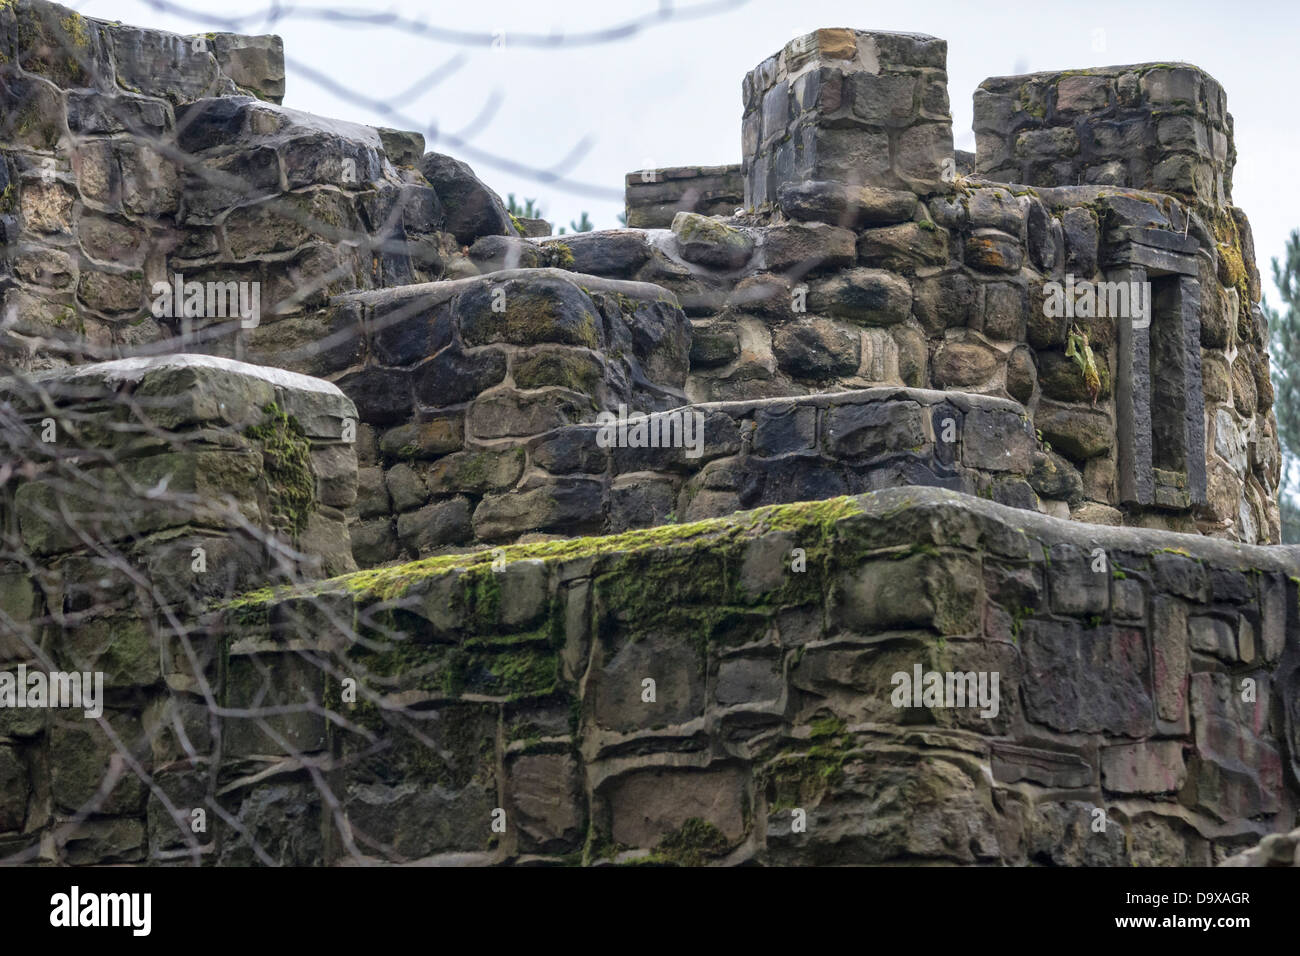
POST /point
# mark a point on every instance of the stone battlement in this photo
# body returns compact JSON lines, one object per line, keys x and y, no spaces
{"x":1159,"y":126}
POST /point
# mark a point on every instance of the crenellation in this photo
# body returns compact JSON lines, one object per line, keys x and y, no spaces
{"x":655,"y":196}
{"x":847,"y":106}
{"x":1157,"y":126}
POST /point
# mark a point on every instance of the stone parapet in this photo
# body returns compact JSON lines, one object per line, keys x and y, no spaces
{"x":655,"y":196}
{"x":851,"y":106}
{"x":1158,"y":126}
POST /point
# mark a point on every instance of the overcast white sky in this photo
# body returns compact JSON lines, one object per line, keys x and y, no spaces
{"x":670,"y":93}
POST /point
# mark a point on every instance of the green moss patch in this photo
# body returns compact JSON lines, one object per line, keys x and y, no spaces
{"x":577,"y":371}
{"x":286,"y":460}
{"x":519,"y":668}
{"x":695,"y":843}
{"x":557,"y":255}
{"x":692,"y":558}
{"x":799,"y":776}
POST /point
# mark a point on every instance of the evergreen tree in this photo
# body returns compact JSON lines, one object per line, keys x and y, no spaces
{"x":1284,"y":348}
{"x":584,"y":224}
{"x":528,"y":210}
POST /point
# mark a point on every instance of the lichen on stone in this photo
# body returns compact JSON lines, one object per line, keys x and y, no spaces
{"x":557,"y":255}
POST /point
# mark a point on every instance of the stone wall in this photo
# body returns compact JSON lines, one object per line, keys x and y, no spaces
{"x":88,"y":199}
{"x":230,"y":439}
{"x":131,"y":157}
{"x":135,"y":494}
{"x":1159,"y":126}
{"x":878,"y":320}
{"x":870,"y":259}
{"x":854,"y":287}
{"x":452,"y":378}
{"x":570,"y":480}
{"x":1153,"y":692}
{"x":655,"y":196}
{"x":976,"y":259}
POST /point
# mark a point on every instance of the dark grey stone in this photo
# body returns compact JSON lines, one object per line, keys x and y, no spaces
{"x":453,"y":376}
{"x":816,"y":349}
{"x":434,"y":525}
{"x":1079,"y":226}
{"x":382,"y":395}
{"x":868,"y":430}
{"x":616,"y":253}
{"x":842,"y":204}
{"x":472,"y":208}
{"x":568,"y":450}
{"x":409,"y":331}
{"x":1087,"y":679}
{"x":781,"y":431}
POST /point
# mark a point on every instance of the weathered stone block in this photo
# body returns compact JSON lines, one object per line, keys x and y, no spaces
{"x":997,"y":440}
{"x":958,"y":364}
{"x":844,"y":205}
{"x":746,"y":680}
{"x":816,"y":349}
{"x":991,"y":251}
{"x":1051,"y":768}
{"x":475,"y":209}
{"x":711,"y":243}
{"x":429,"y":439}
{"x":1088,"y":679}
{"x":80,"y":752}
{"x":476,"y":472}
{"x":920,"y":591}
{"x":868,"y":296}
{"x":875,"y":428}
{"x":546,"y":795}
{"x":617,"y":692}
{"x":797,"y":249}
{"x":453,"y":377}
{"x":570,"y":505}
{"x":1153,"y":766}
{"x":648,"y":805}
{"x":1079,"y":581}
{"x":437,"y":524}
{"x":1239,"y":769}
{"x":904,"y":248}
{"x":279,"y":699}
{"x":1078,"y":432}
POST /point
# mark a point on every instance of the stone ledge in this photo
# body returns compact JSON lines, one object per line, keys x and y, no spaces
{"x":191,"y":389}
{"x":774,"y":687}
{"x":435,"y":293}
